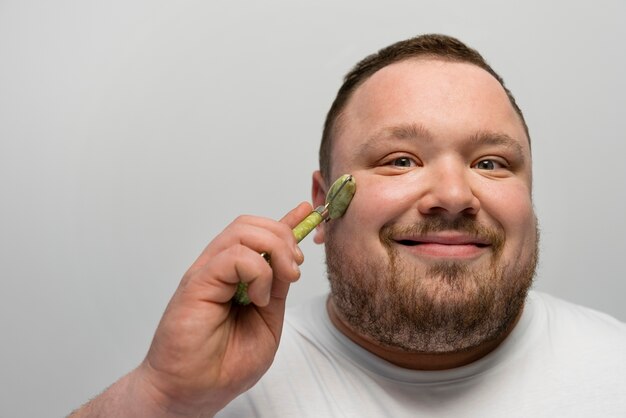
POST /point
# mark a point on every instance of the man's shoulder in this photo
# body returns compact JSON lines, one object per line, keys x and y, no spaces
{"x":575,"y":322}
{"x":559,"y":308}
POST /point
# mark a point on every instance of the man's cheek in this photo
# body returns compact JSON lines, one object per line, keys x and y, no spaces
{"x":379,"y":205}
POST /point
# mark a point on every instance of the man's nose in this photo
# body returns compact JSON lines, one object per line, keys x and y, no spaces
{"x":448,"y":191}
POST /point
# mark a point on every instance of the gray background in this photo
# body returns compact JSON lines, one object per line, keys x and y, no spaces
{"x":131,"y":132}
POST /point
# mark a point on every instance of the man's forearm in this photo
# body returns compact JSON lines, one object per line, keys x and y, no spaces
{"x":127,"y":397}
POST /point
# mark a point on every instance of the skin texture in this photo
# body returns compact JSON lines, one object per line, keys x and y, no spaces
{"x":441,"y":158}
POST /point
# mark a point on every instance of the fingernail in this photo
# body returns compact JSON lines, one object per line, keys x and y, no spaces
{"x":299,"y":253}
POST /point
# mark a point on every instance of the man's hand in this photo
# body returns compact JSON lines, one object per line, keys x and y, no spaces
{"x":207,"y":350}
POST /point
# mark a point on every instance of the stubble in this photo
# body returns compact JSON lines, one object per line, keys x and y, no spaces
{"x":449,"y":306}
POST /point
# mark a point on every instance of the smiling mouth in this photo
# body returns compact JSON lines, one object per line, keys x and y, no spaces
{"x":444,"y":249}
{"x":411,"y":243}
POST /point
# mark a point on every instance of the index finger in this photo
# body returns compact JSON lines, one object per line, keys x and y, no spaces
{"x":294,"y":216}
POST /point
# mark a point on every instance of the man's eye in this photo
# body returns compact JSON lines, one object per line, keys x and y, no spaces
{"x":403,"y":162}
{"x":487,"y":165}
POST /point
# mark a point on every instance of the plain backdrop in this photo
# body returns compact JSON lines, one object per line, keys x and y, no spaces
{"x":132,"y":132}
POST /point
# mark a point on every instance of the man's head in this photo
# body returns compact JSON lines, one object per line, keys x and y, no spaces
{"x":438,"y":247}
{"x":425,"y":46}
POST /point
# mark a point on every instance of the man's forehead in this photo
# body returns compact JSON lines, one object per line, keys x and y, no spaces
{"x":424,"y":73}
{"x":433,"y":85}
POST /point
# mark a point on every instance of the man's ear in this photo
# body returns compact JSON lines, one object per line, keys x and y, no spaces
{"x":318,"y":191}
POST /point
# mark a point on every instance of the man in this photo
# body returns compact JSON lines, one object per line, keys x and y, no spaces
{"x":429,"y":312}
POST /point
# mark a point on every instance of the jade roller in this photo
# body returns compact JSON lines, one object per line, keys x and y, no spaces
{"x":337,"y":200}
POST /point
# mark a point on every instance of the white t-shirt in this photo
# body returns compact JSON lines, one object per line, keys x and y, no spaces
{"x":561,"y":360}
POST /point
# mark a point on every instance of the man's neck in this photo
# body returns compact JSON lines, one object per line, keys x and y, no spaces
{"x":412,"y":360}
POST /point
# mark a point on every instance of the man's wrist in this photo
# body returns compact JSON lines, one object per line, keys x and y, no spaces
{"x":150,"y":400}
{"x":134,"y":395}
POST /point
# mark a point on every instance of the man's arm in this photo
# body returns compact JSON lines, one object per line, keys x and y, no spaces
{"x":123,"y":399}
{"x":206,"y":351}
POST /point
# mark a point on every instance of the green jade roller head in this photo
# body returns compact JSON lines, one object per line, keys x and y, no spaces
{"x":337,"y":201}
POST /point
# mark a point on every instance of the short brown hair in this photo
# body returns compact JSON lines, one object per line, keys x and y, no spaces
{"x":427,"y":46}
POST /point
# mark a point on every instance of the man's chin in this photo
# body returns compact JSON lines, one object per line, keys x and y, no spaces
{"x":447,"y":308}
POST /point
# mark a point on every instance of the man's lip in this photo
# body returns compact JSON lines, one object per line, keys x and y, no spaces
{"x":444,"y":246}
{"x":442,"y":239}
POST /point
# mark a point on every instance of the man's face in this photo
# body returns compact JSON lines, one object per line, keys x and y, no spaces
{"x":438,"y":246}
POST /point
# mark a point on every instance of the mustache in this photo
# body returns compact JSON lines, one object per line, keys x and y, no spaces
{"x":465,"y":224}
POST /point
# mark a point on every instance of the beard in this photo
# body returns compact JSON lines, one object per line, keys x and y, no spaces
{"x":449,"y":306}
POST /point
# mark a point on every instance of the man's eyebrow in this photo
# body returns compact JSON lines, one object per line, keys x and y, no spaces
{"x":417,"y":131}
{"x":498,"y":139}
{"x":405,"y":131}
